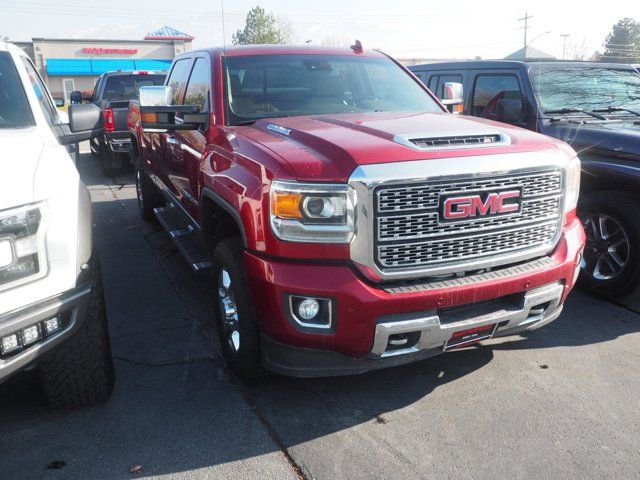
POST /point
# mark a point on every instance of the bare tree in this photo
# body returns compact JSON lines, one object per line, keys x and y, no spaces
{"x":579,"y":51}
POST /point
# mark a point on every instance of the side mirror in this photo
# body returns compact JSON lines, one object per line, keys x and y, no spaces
{"x":453,"y":96}
{"x":75,"y":97}
{"x":509,"y":111}
{"x":59,"y":102}
{"x":157,"y":113}
{"x":85,"y":123}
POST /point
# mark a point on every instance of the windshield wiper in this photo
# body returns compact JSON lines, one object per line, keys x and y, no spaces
{"x":618,"y":109}
{"x":576,"y":110}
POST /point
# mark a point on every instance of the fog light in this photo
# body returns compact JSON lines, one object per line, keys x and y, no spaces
{"x":10,"y":343}
{"x":31,"y":334}
{"x":308,"y":309}
{"x":52,"y":325}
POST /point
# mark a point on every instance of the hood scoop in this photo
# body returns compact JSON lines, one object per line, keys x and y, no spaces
{"x":438,"y":142}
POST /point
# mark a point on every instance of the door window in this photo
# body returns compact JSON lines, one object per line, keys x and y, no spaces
{"x":178,"y":78}
{"x":442,"y":79}
{"x":197,"y":92}
{"x":49,"y":110}
{"x":489,"y":89}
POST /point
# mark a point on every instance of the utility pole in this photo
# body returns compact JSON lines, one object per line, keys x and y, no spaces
{"x":564,"y":43}
{"x":526,"y":25}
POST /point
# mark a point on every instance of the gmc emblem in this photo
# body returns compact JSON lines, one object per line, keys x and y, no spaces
{"x":483,"y":204}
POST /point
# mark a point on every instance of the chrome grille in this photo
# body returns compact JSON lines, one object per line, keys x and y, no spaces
{"x":408,"y":232}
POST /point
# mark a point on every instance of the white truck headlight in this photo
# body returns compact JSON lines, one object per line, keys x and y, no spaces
{"x":22,"y":249}
{"x":312,"y":212}
{"x":572,"y":185}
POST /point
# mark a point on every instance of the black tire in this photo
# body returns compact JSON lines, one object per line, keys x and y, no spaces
{"x":80,"y":371}
{"x":245,"y":360}
{"x":614,"y":208}
{"x":148,"y":195}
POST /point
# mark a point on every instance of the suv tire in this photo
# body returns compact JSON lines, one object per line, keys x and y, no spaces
{"x":80,"y":372}
{"x":611,"y":264}
{"x":237,"y":327}
{"x":148,"y":195}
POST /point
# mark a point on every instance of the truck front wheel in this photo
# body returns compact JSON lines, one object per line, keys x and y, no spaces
{"x":80,"y":371}
{"x":236,"y":324}
{"x":611,"y":262}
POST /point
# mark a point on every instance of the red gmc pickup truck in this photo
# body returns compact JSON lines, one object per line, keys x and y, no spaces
{"x":349,"y":220}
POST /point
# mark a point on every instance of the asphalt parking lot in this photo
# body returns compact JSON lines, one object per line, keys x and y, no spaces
{"x":561,"y":403}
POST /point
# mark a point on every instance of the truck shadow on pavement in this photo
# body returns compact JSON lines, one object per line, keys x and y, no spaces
{"x":177,"y":409}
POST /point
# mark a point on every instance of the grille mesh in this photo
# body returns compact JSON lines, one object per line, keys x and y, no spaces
{"x":409,"y":233}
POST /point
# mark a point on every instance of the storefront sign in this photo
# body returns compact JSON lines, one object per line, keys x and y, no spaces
{"x":109,"y":51}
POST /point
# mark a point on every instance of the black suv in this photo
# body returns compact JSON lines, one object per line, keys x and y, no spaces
{"x":595,"y":107}
{"x":112,"y":93}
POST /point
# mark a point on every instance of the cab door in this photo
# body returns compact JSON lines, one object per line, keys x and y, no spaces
{"x":190,"y":145}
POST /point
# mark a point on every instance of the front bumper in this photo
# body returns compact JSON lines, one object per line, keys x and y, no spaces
{"x":520,"y":299}
{"x":70,"y":307}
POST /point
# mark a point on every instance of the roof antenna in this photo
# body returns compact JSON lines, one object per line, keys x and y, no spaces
{"x":357,"y":47}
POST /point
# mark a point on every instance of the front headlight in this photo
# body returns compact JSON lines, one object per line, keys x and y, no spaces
{"x":572,"y":185}
{"x":308,"y":212}
{"x":22,"y":250}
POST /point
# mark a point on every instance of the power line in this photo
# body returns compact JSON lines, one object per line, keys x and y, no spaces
{"x":526,"y":26}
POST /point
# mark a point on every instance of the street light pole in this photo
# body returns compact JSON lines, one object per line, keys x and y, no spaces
{"x":564,"y":43}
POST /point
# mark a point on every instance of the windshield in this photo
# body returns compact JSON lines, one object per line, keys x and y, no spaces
{"x":589,"y":88}
{"x":127,"y":87}
{"x":14,"y":106}
{"x":288,"y":85}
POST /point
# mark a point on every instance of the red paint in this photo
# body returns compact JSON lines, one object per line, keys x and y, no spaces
{"x":239,"y":163}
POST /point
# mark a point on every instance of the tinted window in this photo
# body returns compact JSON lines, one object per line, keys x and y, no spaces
{"x":49,"y":110}
{"x":178,"y":78}
{"x":289,"y":85}
{"x":491,"y":88}
{"x":127,"y":87}
{"x":14,"y":106}
{"x":442,"y":79}
{"x":198,"y":88}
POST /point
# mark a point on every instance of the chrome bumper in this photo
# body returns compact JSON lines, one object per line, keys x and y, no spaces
{"x":73,"y":304}
{"x":531,"y":310}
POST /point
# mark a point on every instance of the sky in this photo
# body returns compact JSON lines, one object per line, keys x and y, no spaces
{"x":402,"y":28}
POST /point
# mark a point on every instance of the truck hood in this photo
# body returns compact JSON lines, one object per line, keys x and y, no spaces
{"x":20,"y":152}
{"x":330,"y":147}
{"x":614,"y":136}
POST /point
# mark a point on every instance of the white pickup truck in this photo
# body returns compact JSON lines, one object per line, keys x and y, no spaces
{"x":52,"y":312}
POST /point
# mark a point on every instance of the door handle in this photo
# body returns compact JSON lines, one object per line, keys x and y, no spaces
{"x":171,"y":140}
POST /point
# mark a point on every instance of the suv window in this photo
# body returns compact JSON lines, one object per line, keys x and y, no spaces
{"x":49,"y":110}
{"x":436,"y":83}
{"x":197,"y":92}
{"x":491,"y":88}
{"x":14,"y":105}
{"x":127,"y":87}
{"x":178,"y":78}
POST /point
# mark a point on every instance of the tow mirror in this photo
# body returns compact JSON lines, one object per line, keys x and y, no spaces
{"x":453,"y":96}
{"x":59,"y":102}
{"x":85,"y":123}
{"x":75,"y":97}
{"x":157,"y":113}
{"x":509,"y":111}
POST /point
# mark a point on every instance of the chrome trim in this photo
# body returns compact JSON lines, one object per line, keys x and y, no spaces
{"x":366,"y":178}
{"x":405,"y":139}
{"x":434,"y":334}
{"x":302,"y":323}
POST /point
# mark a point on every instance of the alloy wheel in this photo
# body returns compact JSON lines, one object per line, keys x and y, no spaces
{"x":606,"y":252}
{"x":228,"y":310}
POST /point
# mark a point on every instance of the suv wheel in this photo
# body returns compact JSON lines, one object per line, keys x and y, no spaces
{"x":80,"y":371}
{"x":147,"y":194}
{"x":236,"y":324}
{"x":610,"y":265}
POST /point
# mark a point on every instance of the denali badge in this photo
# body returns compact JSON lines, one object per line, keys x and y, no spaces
{"x":482,"y":204}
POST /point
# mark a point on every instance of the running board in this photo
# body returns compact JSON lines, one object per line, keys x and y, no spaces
{"x":184,"y":238}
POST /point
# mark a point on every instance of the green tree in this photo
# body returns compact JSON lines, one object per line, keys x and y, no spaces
{"x":623,"y":42}
{"x":262,"y":27}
